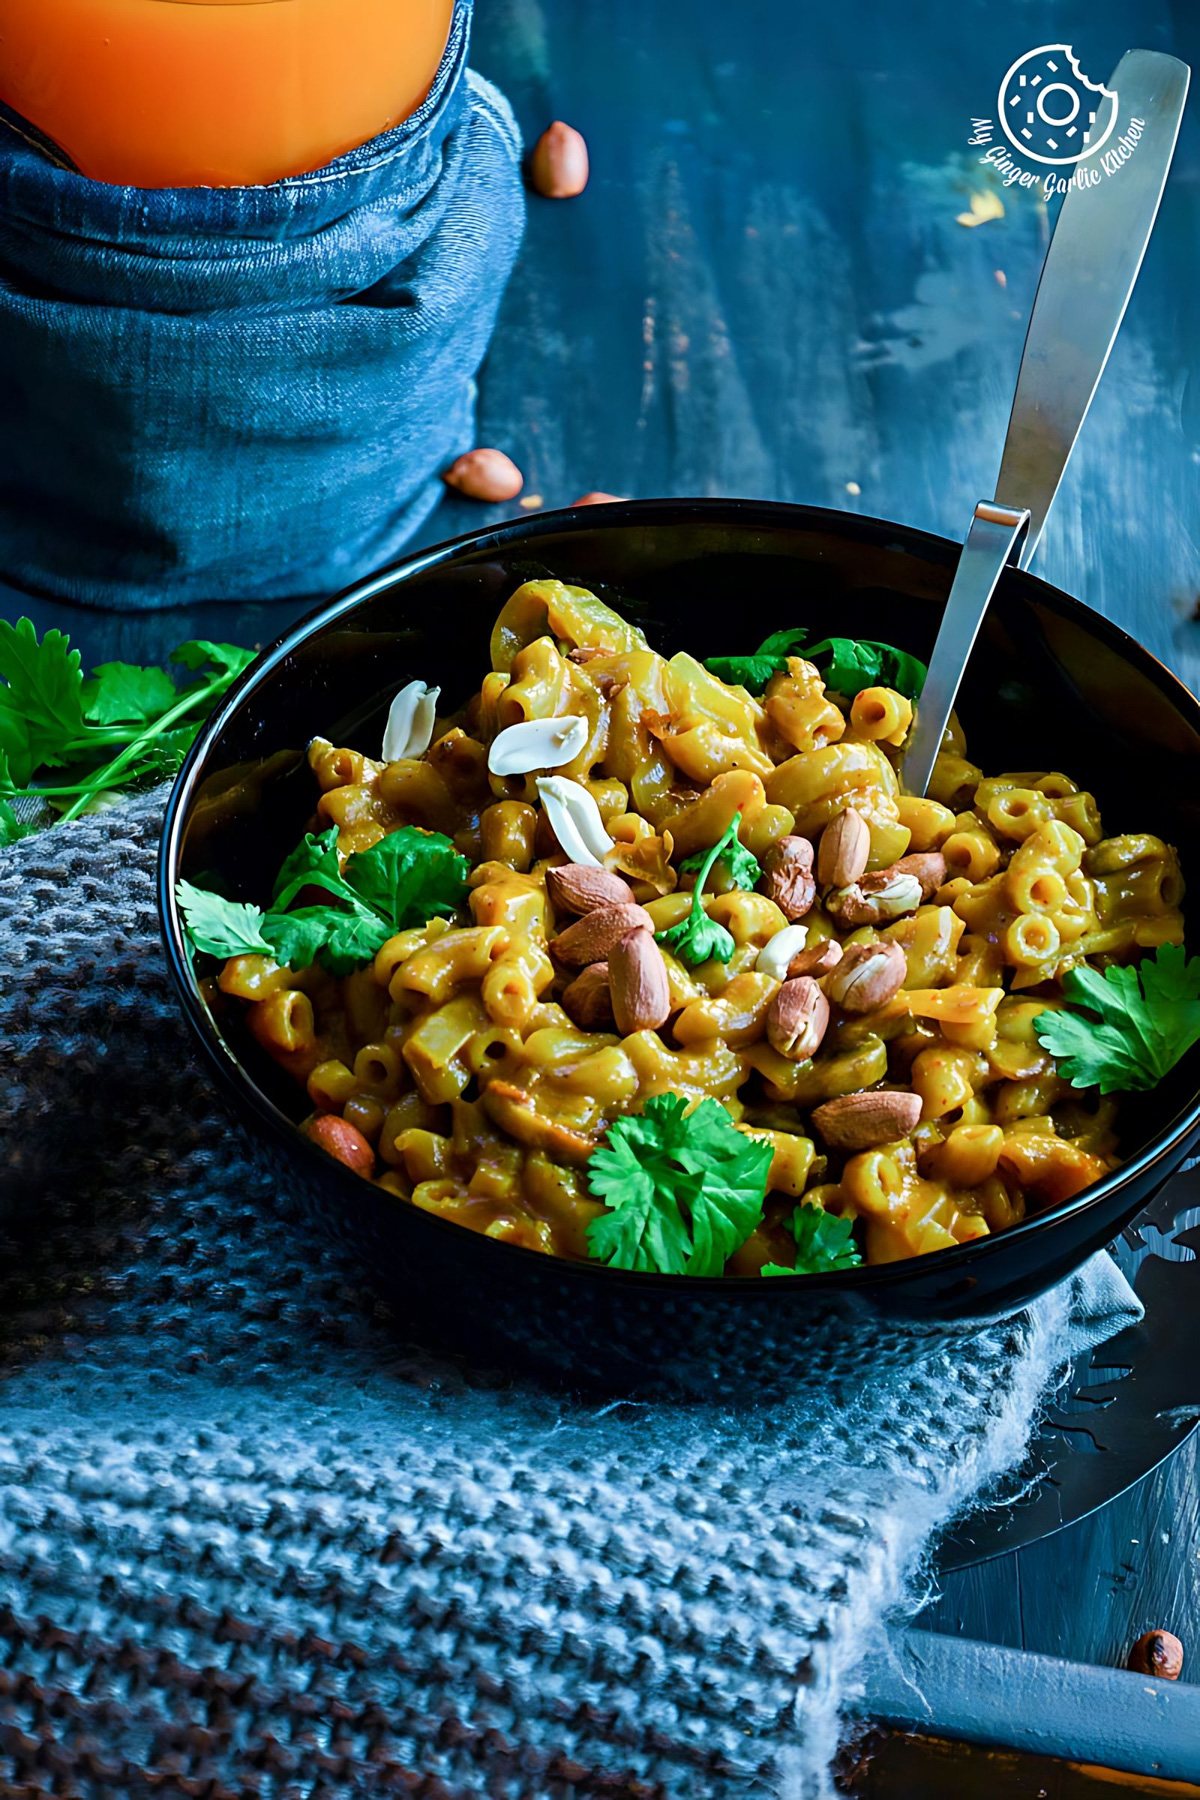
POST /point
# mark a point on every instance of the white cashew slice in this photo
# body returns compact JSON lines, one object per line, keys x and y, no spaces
{"x":409,"y":727}
{"x":537,"y":744}
{"x":575,"y":819}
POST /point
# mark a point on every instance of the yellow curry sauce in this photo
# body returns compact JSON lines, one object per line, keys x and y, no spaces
{"x":423,"y":1050}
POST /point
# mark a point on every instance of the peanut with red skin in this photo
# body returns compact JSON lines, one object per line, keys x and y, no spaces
{"x":344,"y":1142}
{"x":875,"y":899}
{"x":558,"y":167}
{"x":639,"y":984}
{"x":861,"y":1121}
{"x":797,"y":1019}
{"x":844,"y":849}
{"x":929,"y":867}
{"x":582,"y":888}
{"x":485,"y":474}
{"x":816,"y":959}
{"x":592,"y":938}
{"x":588,"y":999}
{"x":787,"y":877}
{"x":867,"y":976}
{"x":1157,"y":1653}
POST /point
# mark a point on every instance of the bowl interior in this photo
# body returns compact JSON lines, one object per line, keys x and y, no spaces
{"x":1051,"y":685}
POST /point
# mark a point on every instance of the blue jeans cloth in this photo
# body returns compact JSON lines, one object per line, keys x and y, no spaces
{"x":247,"y":393}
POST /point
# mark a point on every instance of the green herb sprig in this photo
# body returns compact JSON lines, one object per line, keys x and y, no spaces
{"x":824,"y":1242}
{"x":407,"y":878}
{"x":684,"y":1189}
{"x":847,"y":665}
{"x":697,"y":938}
{"x":1134,"y":1026}
{"x":123,"y":726}
{"x":743,"y":866}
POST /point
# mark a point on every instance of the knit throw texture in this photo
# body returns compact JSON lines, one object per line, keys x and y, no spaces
{"x":255,"y":1541}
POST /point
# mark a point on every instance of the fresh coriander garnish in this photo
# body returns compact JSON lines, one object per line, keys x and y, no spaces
{"x":122,"y":727}
{"x":742,"y":864}
{"x":407,"y":878}
{"x":697,"y":938}
{"x":685,"y":1189}
{"x":847,"y":665}
{"x":823,"y":1242}
{"x":1146,"y":1020}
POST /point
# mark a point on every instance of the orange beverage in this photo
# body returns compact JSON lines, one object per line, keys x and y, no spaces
{"x":216,"y":93}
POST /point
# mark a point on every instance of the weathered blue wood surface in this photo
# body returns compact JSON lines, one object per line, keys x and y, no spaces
{"x":765,"y":291}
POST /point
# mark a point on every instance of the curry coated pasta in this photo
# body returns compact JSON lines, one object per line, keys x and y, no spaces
{"x":626,"y":960}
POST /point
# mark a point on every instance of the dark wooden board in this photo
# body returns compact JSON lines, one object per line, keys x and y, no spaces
{"x":765,"y":290}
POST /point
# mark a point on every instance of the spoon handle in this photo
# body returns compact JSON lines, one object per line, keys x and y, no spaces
{"x":1088,"y":276}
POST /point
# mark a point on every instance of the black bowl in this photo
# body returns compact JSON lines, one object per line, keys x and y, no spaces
{"x":1052,"y":685}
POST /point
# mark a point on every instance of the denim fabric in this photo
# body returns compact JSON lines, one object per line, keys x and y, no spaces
{"x":247,"y":393}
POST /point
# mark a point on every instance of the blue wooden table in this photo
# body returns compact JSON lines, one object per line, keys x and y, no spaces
{"x":766,"y":290}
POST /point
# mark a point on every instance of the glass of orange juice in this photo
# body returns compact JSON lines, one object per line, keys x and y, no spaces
{"x":216,"y":93}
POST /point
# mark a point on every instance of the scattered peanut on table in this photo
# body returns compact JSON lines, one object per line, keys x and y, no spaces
{"x":558,"y":167}
{"x":485,"y":474}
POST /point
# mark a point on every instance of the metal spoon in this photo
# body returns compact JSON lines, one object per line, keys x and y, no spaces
{"x":1088,"y":276}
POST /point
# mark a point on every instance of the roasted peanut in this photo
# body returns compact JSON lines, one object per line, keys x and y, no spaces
{"x":558,"y":166}
{"x":844,"y":850}
{"x":485,"y":475}
{"x":588,"y":999}
{"x":817,"y":960}
{"x":787,"y":877}
{"x":638,"y":983}
{"x":929,"y":867}
{"x":344,"y":1142}
{"x":582,"y":888}
{"x":866,"y":976}
{"x":797,"y":1019}
{"x":1157,"y":1653}
{"x":780,"y":950}
{"x":860,"y":1121}
{"x":590,"y":939}
{"x":875,"y":899}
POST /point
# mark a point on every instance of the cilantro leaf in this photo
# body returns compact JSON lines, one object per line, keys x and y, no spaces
{"x":743,"y":865}
{"x":12,"y":829}
{"x":783,"y":644}
{"x":228,"y":660}
{"x":684,"y":1189}
{"x":125,"y":725}
{"x":823,"y":1242}
{"x":754,"y":672}
{"x":123,"y":693}
{"x":218,"y":926}
{"x":340,"y":941}
{"x":848,"y":665}
{"x":44,"y":695}
{"x":750,"y":672}
{"x":1149,"y":1017}
{"x":696,"y":937}
{"x":313,"y":863}
{"x":410,"y":876}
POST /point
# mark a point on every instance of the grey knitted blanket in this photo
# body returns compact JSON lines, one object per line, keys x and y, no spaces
{"x":255,"y":1541}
